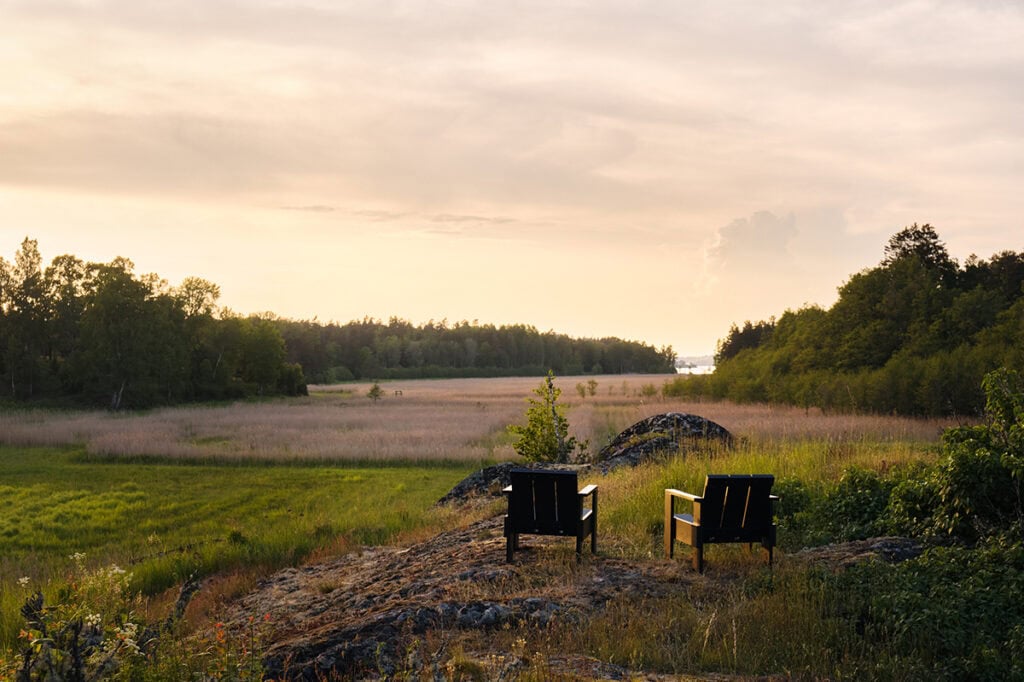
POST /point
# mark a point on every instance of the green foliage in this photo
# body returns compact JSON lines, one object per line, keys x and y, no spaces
{"x":396,"y":349}
{"x":793,"y":510}
{"x":981,"y":477}
{"x":170,"y":520}
{"x":750,"y":335}
{"x":914,"y":503}
{"x":545,"y":436}
{"x":914,"y":335}
{"x":951,"y":614}
{"x":98,"y":334}
{"x":375,"y":393}
{"x":92,"y":628}
{"x":853,"y":509}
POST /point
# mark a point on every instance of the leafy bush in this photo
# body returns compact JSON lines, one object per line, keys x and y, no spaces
{"x":854,"y":508}
{"x":979,"y":481}
{"x":913,"y":504}
{"x":793,"y":511}
{"x":951,"y":614}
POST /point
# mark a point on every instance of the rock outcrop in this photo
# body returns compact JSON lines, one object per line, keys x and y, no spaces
{"x":842,"y":555}
{"x":355,"y":616}
{"x":663,"y":433}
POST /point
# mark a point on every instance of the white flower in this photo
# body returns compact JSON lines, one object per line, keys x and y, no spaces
{"x":24,"y":581}
{"x":94,"y":619}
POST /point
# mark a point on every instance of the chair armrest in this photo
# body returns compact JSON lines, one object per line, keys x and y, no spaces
{"x":670,"y":503}
{"x":773,"y":498}
{"x":507,"y":490}
{"x":588,"y":490}
{"x":672,"y":492}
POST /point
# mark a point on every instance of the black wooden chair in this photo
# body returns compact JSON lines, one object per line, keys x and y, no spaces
{"x":544,"y":502}
{"x":733,"y":508}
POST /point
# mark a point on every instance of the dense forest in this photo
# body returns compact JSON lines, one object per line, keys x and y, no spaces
{"x":913,"y":335}
{"x":75,"y":332}
{"x":371,"y":349}
{"x":98,"y":334}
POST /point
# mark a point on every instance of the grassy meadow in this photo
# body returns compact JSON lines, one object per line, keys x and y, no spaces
{"x":238,"y":490}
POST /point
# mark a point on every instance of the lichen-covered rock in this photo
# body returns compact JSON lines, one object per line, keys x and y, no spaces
{"x":661,"y":433}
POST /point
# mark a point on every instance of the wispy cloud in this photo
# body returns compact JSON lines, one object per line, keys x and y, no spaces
{"x":581,"y":131}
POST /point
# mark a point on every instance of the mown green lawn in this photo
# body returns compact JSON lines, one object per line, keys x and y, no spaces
{"x":163,"y":520}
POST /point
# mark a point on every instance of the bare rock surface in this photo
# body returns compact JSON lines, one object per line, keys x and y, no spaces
{"x":842,"y":555}
{"x":350,"y":617}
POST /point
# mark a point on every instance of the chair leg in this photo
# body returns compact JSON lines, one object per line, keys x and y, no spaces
{"x":579,"y":546}
{"x":510,"y":546}
{"x":698,"y":559}
{"x":593,"y":539}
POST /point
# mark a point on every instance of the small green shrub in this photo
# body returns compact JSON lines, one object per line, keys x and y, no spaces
{"x":545,"y":437}
{"x":913,"y":503}
{"x":793,"y":512}
{"x":854,"y":508}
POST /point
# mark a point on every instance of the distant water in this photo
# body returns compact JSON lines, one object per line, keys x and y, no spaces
{"x":696,"y":369}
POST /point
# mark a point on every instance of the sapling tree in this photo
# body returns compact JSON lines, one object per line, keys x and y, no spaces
{"x":375,"y":393}
{"x":545,"y":437}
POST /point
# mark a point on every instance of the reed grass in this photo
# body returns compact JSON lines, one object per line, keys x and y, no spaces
{"x":449,"y":420}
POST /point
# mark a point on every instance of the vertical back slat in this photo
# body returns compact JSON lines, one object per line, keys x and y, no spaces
{"x":735,"y":505}
{"x":759,"y":508}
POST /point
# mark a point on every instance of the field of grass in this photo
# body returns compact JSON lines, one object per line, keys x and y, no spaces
{"x":250,"y":487}
{"x":164,"y":520}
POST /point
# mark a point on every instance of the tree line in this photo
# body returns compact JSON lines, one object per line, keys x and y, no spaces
{"x":914,"y":335}
{"x":373,"y":349}
{"x":76,"y":332}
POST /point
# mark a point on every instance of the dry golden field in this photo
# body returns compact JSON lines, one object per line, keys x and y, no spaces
{"x":420,"y":421}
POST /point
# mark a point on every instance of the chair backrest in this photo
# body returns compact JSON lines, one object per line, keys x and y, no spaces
{"x":736,"y":506}
{"x":544,"y":502}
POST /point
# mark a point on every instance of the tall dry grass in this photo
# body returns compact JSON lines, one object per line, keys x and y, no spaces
{"x":420,"y":421}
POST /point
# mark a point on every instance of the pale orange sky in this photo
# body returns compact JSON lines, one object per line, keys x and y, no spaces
{"x":649,"y":170}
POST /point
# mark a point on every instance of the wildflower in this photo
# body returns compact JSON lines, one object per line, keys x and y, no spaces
{"x":24,"y":581}
{"x":93,"y":619}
